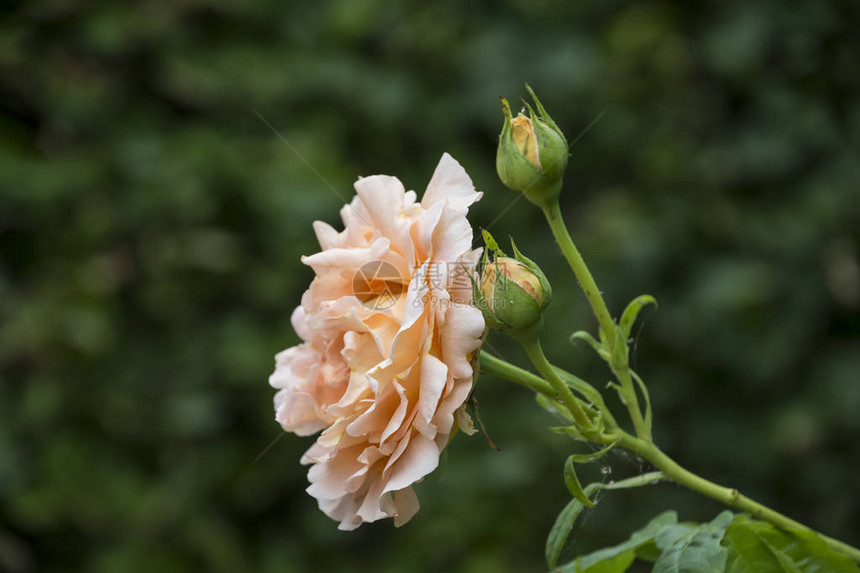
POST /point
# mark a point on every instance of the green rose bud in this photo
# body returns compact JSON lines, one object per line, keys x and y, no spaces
{"x":513,"y":292}
{"x":532,"y":154}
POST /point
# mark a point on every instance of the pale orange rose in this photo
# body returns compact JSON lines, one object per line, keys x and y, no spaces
{"x":389,"y":334}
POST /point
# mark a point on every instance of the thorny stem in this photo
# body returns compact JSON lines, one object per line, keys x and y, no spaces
{"x":728,"y":496}
{"x":498,"y":367}
{"x":669,"y":467}
{"x":614,"y":338}
{"x":531,"y":344}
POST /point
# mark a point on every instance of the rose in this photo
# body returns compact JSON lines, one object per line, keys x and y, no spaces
{"x":386,"y":383}
{"x":513,"y":293}
{"x":532,"y":153}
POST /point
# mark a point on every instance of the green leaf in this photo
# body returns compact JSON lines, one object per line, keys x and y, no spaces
{"x":653,"y":527}
{"x":521,"y":257}
{"x":579,"y":385}
{"x":632,"y":311}
{"x":698,"y":552}
{"x":561,"y":531}
{"x":648,"y":552}
{"x":573,"y":485}
{"x":598,"y":347}
{"x":543,"y":115}
{"x":571,"y":431}
{"x":615,"y":564}
{"x":491,"y":243}
{"x":674,"y":533}
{"x":604,"y":340}
{"x":723,"y":520}
{"x":749,"y":552}
{"x":762,"y":544}
{"x":693,"y":548}
{"x":644,"y":389}
{"x":809,"y":551}
{"x":564,"y":522}
{"x":597,"y":420}
{"x":619,"y":557}
{"x":593,"y":457}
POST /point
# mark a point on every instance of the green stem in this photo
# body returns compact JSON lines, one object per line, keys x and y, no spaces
{"x":531,"y":344}
{"x":623,"y":375}
{"x":590,"y":394}
{"x":728,"y":496}
{"x":635,"y":481}
{"x":583,"y":275}
{"x":646,"y":449}
{"x":498,"y":367}
{"x":641,"y":445}
{"x":598,"y":305}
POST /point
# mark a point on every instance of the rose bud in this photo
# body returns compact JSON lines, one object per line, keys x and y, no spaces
{"x":513,"y":292}
{"x":532,"y":154}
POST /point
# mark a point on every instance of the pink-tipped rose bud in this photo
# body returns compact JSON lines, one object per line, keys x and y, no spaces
{"x":513,"y":292}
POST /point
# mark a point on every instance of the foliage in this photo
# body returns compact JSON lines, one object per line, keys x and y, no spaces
{"x":733,"y":543}
{"x":560,"y":531}
{"x":151,"y":226}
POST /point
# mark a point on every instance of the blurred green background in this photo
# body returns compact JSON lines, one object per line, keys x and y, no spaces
{"x":151,"y":226}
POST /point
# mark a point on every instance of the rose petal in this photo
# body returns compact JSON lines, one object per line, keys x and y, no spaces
{"x":452,"y":184}
{"x":418,"y":460}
